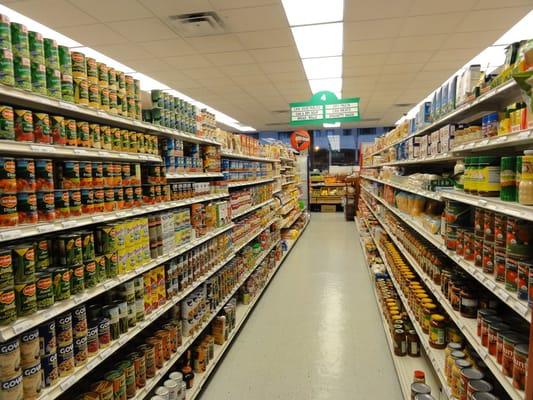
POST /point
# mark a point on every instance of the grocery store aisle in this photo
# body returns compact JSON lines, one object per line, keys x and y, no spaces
{"x":315,"y":333}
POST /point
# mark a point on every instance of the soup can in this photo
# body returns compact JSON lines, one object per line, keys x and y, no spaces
{"x":61,"y":203}
{"x":41,"y":127}
{"x":77,"y":279}
{"x":32,"y":380}
{"x":92,"y":338}
{"x":10,"y":357}
{"x":29,"y":347}
{"x":25,"y":298}
{"x":158,"y":350}
{"x":12,"y":388}
{"x":68,"y":175}
{"x":127,"y":367}
{"x":65,"y":360}
{"x":27,"y":208}
{"x":71,"y":132}
{"x":64,"y":332}
{"x":57,"y":130}
{"x":104,"y":332}
{"x":104,"y":388}
{"x":47,"y":338}
{"x":23,"y":259}
{"x":25,"y":171}
{"x":140,"y":368}
{"x":118,"y":379}
{"x":148,"y":351}
{"x":7,"y":128}
{"x":84,"y":134}
{"x":50,"y":369}
{"x":8,"y":175}
{"x":80,"y":351}
{"x":74,"y":199}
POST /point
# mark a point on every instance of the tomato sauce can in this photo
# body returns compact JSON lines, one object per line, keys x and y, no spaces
{"x":62,"y":205}
{"x":148,"y":351}
{"x":128,"y":197}
{"x":86,"y":174}
{"x":74,"y":199}
{"x":68,"y":175}
{"x":8,"y":209}
{"x":57,"y":130}
{"x":7,"y":127}
{"x":478,"y":251}
{"x":117,"y":175}
{"x":523,"y":268}
{"x":71,"y":132}
{"x":44,"y":289}
{"x":50,"y":369}
{"x":119,"y":197}
{"x":511,"y":274}
{"x":41,"y":128}
{"x":8,"y":175}
{"x":27,"y":208}
{"x":44,"y":174}
{"x":87,"y":201}
{"x":519,"y":238}
{"x":25,"y":298}
{"x":23,"y":125}
{"x":158,"y":350}
{"x":23,"y":258}
{"x":45,"y":206}
{"x":25,"y":170}
{"x":84,"y":134}
{"x":500,"y":226}
{"x":137,"y":196}
{"x":61,"y":282}
{"x":488,"y":225}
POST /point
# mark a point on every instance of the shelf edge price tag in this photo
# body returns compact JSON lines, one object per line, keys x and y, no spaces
{"x":68,"y":382}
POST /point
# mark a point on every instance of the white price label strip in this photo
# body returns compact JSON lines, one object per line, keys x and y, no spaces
{"x":68,"y":382}
{"x":44,"y":149}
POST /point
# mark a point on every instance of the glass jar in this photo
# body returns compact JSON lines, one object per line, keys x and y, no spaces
{"x":400,"y":342}
{"x":525,"y":190}
{"x":508,"y":179}
{"x":413,"y":344}
{"x":437,"y":331}
{"x":468,"y":304}
{"x":429,"y":310}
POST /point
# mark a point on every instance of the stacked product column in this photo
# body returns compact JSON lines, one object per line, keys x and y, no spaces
{"x":464,"y":222}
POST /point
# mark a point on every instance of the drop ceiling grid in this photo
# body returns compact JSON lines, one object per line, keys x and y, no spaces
{"x":384,"y":42}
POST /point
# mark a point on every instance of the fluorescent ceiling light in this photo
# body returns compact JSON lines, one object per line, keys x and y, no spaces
{"x":333,"y":85}
{"x":324,"y":40}
{"x":521,"y":30}
{"x":307,"y":12}
{"x":334,"y":125}
{"x":147,"y":83}
{"x":324,"y":67}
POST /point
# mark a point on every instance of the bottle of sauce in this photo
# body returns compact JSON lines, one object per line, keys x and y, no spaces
{"x":525,"y":189}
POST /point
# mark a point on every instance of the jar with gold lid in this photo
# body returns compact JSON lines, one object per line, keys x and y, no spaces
{"x":429,"y":309}
{"x":437,"y":331}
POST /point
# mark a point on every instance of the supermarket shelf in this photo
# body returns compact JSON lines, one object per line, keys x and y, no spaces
{"x":404,"y":365}
{"x":247,"y":183}
{"x":241,"y":213}
{"x":25,"y":323}
{"x":497,"y":288}
{"x":288,"y":223}
{"x":421,"y":192}
{"x":246,"y":157}
{"x":151,"y":383}
{"x":193,"y":175}
{"x":286,"y":159}
{"x":63,"y":384}
{"x":491,"y":203}
{"x":434,"y":159}
{"x":328,"y":184}
{"x":288,"y":183}
{"x":467,"y":326}
{"x":29,"y":149}
{"x":287,"y":208}
{"x":436,"y":357}
{"x":252,"y":236}
{"x":22,"y":231}
{"x":242,"y":314}
{"x":24,"y":98}
{"x":486,"y":102}
{"x":517,"y":139}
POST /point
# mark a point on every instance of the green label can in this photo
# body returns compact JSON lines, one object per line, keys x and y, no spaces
{"x":61,"y":282}
{"x":23,"y":125}
{"x":5,"y":33}
{"x":67,"y":87}
{"x":94,"y":95}
{"x":6,"y":269}
{"x":111,"y":265}
{"x":103,"y":74}
{"x":79,"y":65}
{"x":8,"y":310}
{"x":77,"y":279}
{"x":44,"y":289}
{"x":116,"y":138}
{"x":106,"y":138}
{"x":91,"y":274}
{"x":42,"y":254}
{"x":84,"y":135}
{"x":112,"y":78}
{"x":100,"y":268}
{"x":22,"y":70}
{"x":81,"y":91}
{"x":38,"y":78}
{"x":113,"y":101}
{"x":36,"y":47}
{"x":94,"y":130}
{"x":26,"y":300}
{"x":53,"y":82}
{"x":7,"y":75}
{"x":87,"y":238}
{"x":92,"y":70}
{"x":65,"y":61}
{"x":19,"y":40}
{"x":71,"y":132}
{"x":51,"y":57}
{"x":69,"y":249}
{"x":104,"y":98}
{"x":7,"y":127}
{"x":23,"y":256}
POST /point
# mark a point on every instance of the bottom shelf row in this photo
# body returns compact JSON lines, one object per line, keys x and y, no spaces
{"x":174,"y":359}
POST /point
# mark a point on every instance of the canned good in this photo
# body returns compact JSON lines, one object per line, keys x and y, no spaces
{"x":68,"y":175}
{"x":74,"y":200}
{"x":7,"y":74}
{"x":118,"y":380}
{"x":65,"y":360}
{"x":42,"y":254}
{"x":8,"y":310}
{"x":29,"y":347}
{"x":61,"y":203}
{"x":94,"y":130}
{"x":104,"y":389}
{"x":44,"y":289}
{"x":158,"y":350}
{"x":6,"y":269}
{"x":41,"y":128}
{"x":128,"y":369}
{"x":80,"y":351}
{"x":71,"y":132}
{"x":91,"y":274}
{"x":7,"y":127}
{"x":8,"y":209}
{"x":45,"y":206}
{"x":519,"y":238}
{"x":84,"y":134}
{"x":69,"y":249}
{"x":57,"y":130}
{"x":148,"y":351}
{"x":139,"y":367}
{"x":22,"y":70}
{"x":44,"y":174}
{"x":81,"y":91}
{"x":38,"y":77}
{"x":51,"y":54}
{"x":26,"y":300}
{"x":64,"y":332}
{"x":8,"y":177}
{"x":50,"y":369}
{"x":47,"y":338}
{"x":111,"y":265}
{"x":100,"y":268}
{"x":67,"y":87}
{"x":32,"y":380}
{"x":10,"y":357}
{"x":12,"y":388}
{"x":27,"y":208}
{"x":25,"y":168}
{"x":61,"y":282}
{"x":79,"y":65}
{"x":104,"y":332}
{"x":23,"y":258}
{"x":77,"y":279}
{"x":92,"y":338}
{"x":106,"y":138}
{"x":53,"y":82}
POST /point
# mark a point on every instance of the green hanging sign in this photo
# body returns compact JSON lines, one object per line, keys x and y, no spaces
{"x":325,"y":107}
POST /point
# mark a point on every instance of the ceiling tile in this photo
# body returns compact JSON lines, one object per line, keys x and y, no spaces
{"x":148,"y":65}
{"x":124,"y":53}
{"x":193,"y":61}
{"x":360,"y":83}
{"x":368,"y":10}
{"x":419,"y":43}
{"x":369,"y":70}
{"x":143,"y":30}
{"x":215,"y":44}
{"x":254,"y":18}
{"x":283,"y":77}
{"x":364,"y":60}
{"x":461,"y":40}
{"x":227,"y":4}
{"x":424,"y":7}
{"x":251,"y":79}
{"x":264,"y":39}
{"x":461,"y":55}
{"x":216,"y":84}
{"x":484,"y":4}
{"x":94,"y":35}
{"x":411,"y":57}
{"x":230,"y":58}
{"x":282,"y":66}
{"x":168,"y":48}
{"x":261,"y":90}
{"x":272,"y":103}
{"x":375,"y":29}
{"x":501,"y":18}
{"x":443,"y":66}
{"x":402,"y":68}
{"x":431,"y":24}
{"x":46,"y":12}
{"x":115,"y":10}
{"x":166,"y":8}
{"x":241,"y":69}
{"x":201,"y":73}
{"x":176,"y":82}
{"x":275,"y":54}
{"x":371,"y":46}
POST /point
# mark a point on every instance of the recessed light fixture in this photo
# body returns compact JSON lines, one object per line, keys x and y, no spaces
{"x":333,"y":85}
{"x":147,"y":83}
{"x":334,"y":125}
{"x":323,"y":40}
{"x":323,"y":67}
{"x":307,"y":12}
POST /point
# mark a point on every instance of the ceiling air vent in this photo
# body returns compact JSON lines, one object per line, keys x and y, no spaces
{"x":206,"y":23}
{"x":404,"y":104}
{"x":280,"y":111}
{"x":276,"y":123}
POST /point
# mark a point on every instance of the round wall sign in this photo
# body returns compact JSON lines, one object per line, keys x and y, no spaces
{"x":300,"y":140}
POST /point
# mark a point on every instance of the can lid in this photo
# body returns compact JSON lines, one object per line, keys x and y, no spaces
{"x":483,"y":396}
{"x":522,"y":348}
{"x":461,"y":363}
{"x":479,"y":385}
{"x":458,"y":354}
{"x":454,"y":346}
{"x":420,"y":388}
{"x":472,"y":374}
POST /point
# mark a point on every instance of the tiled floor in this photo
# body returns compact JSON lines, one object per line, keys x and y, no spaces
{"x":315,"y":333}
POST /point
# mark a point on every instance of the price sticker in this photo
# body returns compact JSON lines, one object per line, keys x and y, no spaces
{"x":93,"y":364}
{"x":123,"y":155}
{"x":69,"y":106}
{"x":43,"y":149}
{"x":104,"y":153}
{"x":69,"y":224}
{"x":45,"y":228}
{"x":98,"y":218}
{"x":503,"y":295}
{"x":22,"y":326}
{"x":71,"y":380}
{"x":9,"y":235}
{"x":143,"y":157}
{"x":491,"y":285}
{"x":123,"y":339}
{"x":81,"y":152}
{"x":109,"y":284}
{"x":121,"y":214}
{"x":523,"y":135}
